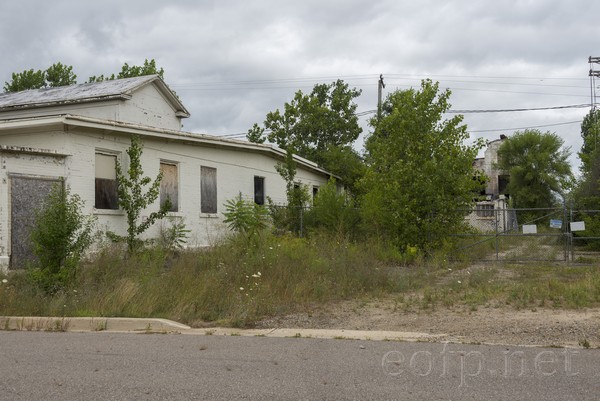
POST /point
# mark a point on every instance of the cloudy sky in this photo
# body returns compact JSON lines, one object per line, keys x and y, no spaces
{"x":231,"y":62}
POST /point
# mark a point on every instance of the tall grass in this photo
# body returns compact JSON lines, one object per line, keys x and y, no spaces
{"x":234,"y":283}
{"x":242,"y":280}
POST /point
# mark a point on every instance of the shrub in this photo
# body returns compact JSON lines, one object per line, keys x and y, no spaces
{"x":334,"y":211}
{"x":60,"y":236}
{"x":245,"y":217}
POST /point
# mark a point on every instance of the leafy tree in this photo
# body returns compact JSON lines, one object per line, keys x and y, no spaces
{"x":134,"y":198}
{"x":590,"y":132}
{"x":334,"y":211}
{"x":586,"y":195}
{"x":60,"y":236}
{"x":419,"y":178}
{"x":129,"y":71}
{"x":59,"y":74}
{"x":28,"y":79}
{"x":315,"y":125}
{"x":538,"y":167}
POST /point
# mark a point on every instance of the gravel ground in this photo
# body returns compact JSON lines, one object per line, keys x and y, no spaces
{"x":495,"y":325}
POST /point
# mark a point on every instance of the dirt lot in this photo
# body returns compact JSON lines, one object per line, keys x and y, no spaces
{"x":500,"y":325}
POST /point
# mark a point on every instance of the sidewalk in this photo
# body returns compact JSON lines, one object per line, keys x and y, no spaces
{"x":164,"y":326}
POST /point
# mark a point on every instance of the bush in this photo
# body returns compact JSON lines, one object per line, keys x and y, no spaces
{"x":334,"y":212}
{"x":60,"y":236}
{"x":245,"y":217}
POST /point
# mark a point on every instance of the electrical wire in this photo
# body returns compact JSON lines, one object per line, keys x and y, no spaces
{"x":572,"y":106}
{"x":521,"y":128}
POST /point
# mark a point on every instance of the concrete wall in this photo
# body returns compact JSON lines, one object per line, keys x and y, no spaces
{"x":235,"y":167}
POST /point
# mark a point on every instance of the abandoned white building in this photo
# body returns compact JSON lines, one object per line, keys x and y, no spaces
{"x":77,"y":133}
{"x":492,"y":213}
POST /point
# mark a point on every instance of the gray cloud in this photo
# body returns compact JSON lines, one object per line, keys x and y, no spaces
{"x":233,"y":61}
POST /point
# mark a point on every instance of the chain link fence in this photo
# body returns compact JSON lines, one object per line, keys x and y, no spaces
{"x":521,"y":235}
{"x":492,"y":234}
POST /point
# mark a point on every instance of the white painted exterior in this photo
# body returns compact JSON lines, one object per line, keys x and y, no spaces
{"x":65,"y":145}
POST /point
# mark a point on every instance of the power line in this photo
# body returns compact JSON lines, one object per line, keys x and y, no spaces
{"x":520,"y":128}
{"x":573,"y":106}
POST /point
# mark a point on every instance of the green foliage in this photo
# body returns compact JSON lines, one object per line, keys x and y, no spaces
{"x":175,"y":236}
{"x":315,"y":125}
{"x":57,"y":74}
{"x":420,"y":172}
{"x":344,"y":162}
{"x":135,"y":198}
{"x":287,"y":274}
{"x":538,"y":167}
{"x":28,"y":79}
{"x":62,"y":233}
{"x":590,"y":133}
{"x":130,"y":71}
{"x":245,"y":217}
{"x":334,"y":211}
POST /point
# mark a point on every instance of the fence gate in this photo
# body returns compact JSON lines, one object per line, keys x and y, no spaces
{"x":516,"y":235}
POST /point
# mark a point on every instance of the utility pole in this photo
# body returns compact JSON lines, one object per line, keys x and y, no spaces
{"x":593,"y":75}
{"x":380,"y":86}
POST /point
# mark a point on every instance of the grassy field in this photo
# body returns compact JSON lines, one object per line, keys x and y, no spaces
{"x":238,"y":282}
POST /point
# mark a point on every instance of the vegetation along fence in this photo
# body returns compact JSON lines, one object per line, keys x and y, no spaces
{"x":519,"y":235}
{"x":558,"y":234}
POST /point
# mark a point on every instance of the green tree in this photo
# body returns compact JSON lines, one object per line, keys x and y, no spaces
{"x":590,"y":132}
{"x":28,"y":79}
{"x":315,"y":125}
{"x":57,"y":74}
{"x":135,"y":198}
{"x":130,"y":71}
{"x":60,"y":236}
{"x":334,"y":211}
{"x":419,"y":177}
{"x":538,"y":167}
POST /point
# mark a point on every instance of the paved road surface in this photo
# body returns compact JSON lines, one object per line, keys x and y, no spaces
{"x":112,"y":366}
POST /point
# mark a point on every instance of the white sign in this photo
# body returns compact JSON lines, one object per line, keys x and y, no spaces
{"x":555,"y":223}
{"x":529,"y":229}
{"x":578,"y":226}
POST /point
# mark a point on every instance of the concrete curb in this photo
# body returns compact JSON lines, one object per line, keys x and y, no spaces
{"x":142,"y":325}
{"x":87,"y":324}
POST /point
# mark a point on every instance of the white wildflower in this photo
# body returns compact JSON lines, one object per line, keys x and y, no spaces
{"x":459,"y":282}
{"x":241,"y":288}
{"x":4,"y":281}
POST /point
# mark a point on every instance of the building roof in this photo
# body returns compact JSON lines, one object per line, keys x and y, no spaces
{"x":146,"y":131}
{"x":120,"y":89}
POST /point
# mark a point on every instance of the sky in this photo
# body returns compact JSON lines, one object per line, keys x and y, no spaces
{"x":232,"y":62}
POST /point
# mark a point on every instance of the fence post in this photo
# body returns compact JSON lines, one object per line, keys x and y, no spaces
{"x":496,"y":237}
{"x":301,"y":221}
{"x":566,"y":240}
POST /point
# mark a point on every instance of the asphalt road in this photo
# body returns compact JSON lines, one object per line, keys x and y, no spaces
{"x":111,"y":366}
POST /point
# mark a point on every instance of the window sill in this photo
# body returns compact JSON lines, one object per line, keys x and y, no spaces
{"x":209,"y":215}
{"x":109,"y":212}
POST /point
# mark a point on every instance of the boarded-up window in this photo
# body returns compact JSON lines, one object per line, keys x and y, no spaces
{"x":315,"y":192}
{"x":259,"y":190}
{"x":208,"y":190}
{"x":169,"y":186}
{"x":106,"y":182}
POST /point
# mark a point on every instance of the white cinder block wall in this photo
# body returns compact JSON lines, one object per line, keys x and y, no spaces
{"x":75,"y":150}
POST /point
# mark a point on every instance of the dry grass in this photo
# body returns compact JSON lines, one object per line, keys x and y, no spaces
{"x":239,"y":282}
